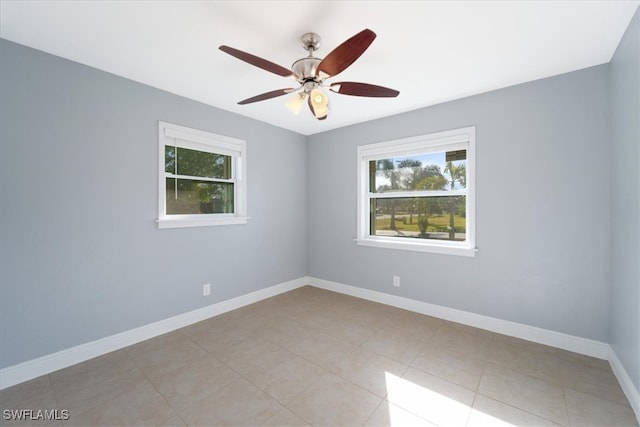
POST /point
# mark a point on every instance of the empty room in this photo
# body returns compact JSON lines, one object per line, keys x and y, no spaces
{"x":320,"y":213}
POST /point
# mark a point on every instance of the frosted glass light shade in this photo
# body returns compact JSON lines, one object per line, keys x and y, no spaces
{"x":295,"y":103}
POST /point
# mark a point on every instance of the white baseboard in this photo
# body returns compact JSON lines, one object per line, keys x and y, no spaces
{"x":30,"y":369}
{"x":627,"y":385}
{"x":530,"y":333}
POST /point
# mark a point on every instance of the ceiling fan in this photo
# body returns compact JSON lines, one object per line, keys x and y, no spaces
{"x":310,"y":72}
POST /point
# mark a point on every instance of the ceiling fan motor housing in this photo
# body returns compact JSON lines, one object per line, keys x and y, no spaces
{"x":305,"y":69}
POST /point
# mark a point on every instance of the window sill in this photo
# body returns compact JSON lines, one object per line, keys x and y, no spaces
{"x":419,"y":247}
{"x":200,"y":222}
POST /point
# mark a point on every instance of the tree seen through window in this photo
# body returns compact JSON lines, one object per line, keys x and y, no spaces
{"x":195,"y":182}
{"x":432,"y":216}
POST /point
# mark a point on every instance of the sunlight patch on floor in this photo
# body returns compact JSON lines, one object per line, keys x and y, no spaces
{"x":479,"y":418}
{"x":441,"y":403}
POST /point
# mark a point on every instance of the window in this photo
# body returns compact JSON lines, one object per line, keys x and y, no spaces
{"x":418,"y":193}
{"x":202,"y":178}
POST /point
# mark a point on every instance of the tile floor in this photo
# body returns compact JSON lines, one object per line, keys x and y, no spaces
{"x":313,"y":357}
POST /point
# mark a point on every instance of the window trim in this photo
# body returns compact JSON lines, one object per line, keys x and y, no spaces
{"x":181,"y":136}
{"x":433,"y":142}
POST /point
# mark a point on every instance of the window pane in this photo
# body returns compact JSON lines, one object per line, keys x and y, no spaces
{"x":198,"y":197}
{"x":197,"y":163}
{"x":169,"y":158}
{"x":437,"y":218}
{"x":431,"y":171}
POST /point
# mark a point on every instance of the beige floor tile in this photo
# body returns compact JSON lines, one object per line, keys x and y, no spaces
{"x":158,"y":354}
{"x":282,"y":300}
{"x":31,"y":403}
{"x":186,"y":383}
{"x":459,"y":368}
{"x":334,"y":401}
{"x":586,"y":410}
{"x":390,"y":415}
{"x":468,"y":330}
{"x":363,"y":313}
{"x":342,"y":330}
{"x":31,"y":418}
{"x":299,"y":311}
{"x":377,"y":309}
{"x":396,"y":346}
{"x":517,"y":345}
{"x":595,"y":381}
{"x":258,"y":316}
{"x":371,"y":371}
{"x":582,"y":360}
{"x":309,"y":316}
{"x":308,"y":296}
{"x":286,"y":418}
{"x":273,"y":368}
{"x":249,"y":356}
{"x":278,"y":305}
{"x":81,"y":399}
{"x":216,"y":336}
{"x":139,"y":406}
{"x":34,"y":394}
{"x":529,"y":358}
{"x":487,"y":412}
{"x":414,"y":325}
{"x":221,"y":322}
{"x":321,"y":349}
{"x":173,"y":422}
{"x":434,"y":399}
{"x":238,"y":404}
{"x":463,"y":340}
{"x":90,"y":384}
{"x":282,"y":378}
{"x":33,"y":421}
{"x":240,"y":312}
{"x":322,"y":319}
{"x":539,"y":397}
{"x":285,"y":332}
{"x":105,"y":366}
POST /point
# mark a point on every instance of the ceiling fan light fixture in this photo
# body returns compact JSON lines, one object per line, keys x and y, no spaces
{"x":319,"y":103}
{"x":295,"y":102}
{"x":319,"y":99}
{"x":321,"y":113}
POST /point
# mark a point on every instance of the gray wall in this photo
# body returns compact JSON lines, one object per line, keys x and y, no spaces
{"x":625,"y":201}
{"x":81,"y":256}
{"x":542,"y":207}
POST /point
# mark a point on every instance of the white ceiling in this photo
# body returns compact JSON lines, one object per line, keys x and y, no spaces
{"x":431,"y":52}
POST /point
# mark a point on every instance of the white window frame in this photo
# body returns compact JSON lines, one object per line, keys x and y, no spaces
{"x":170,"y":134}
{"x":457,"y":139}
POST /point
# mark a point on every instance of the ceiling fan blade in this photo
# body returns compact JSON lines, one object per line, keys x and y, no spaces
{"x":257,"y":61}
{"x":363,"y":89}
{"x":267,"y":95}
{"x":344,"y":55}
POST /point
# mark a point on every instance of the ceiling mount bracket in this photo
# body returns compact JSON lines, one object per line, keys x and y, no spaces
{"x":310,"y":42}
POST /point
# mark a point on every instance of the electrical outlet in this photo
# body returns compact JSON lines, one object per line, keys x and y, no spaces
{"x":206,"y":289}
{"x":396,"y":281}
